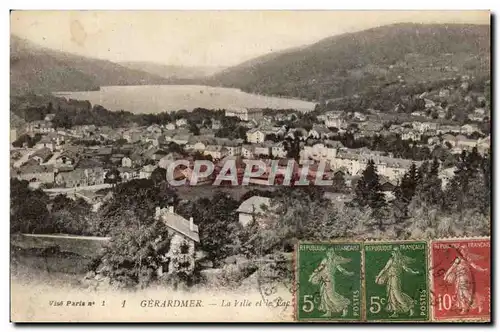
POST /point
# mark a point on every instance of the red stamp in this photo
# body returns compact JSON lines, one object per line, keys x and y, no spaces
{"x":460,"y":277}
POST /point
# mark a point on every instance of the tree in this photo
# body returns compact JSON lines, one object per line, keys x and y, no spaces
{"x":159,"y":175}
{"x":218,"y":224}
{"x":72,"y":216}
{"x":193,"y":128}
{"x":36,"y":218}
{"x":468,"y":188}
{"x":339,"y":182}
{"x":292,"y":147}
{"x":405,"y":191}
{"x":113,"y":176}
{"x":368,"y":191}
{"x":139,"y":196}
{"x":135,"y":250}
{"x":431,"y":192}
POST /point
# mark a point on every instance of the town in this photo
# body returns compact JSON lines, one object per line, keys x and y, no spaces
{"x":89,"y":173}
{"x":91,"y":157}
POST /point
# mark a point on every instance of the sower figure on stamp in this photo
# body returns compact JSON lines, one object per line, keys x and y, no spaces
{"x":391,"y":275}
{"x":324,"y":275}
{"x":461,"y":275}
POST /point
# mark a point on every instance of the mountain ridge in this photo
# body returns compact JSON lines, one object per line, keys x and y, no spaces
{"x":172,"y":71}
{"x":349,"y":63}
{"x":37,"y":69}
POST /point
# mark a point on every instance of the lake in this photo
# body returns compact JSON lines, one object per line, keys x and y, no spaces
{"x":160,"y":98}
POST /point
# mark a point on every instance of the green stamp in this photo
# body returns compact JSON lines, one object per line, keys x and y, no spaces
{"x":328,"y":281}
{"x":396,"y":284}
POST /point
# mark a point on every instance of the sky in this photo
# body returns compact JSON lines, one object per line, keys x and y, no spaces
{"x":204,"y":38}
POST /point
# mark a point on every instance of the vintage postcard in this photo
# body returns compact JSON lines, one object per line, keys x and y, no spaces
{"x":250,"y":166}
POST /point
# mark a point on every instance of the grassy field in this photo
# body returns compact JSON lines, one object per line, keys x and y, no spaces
{"x":85,"y":246}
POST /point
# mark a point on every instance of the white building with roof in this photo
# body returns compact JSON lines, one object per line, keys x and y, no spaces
{"x":245,"y":114}
{"x":184,"y":236}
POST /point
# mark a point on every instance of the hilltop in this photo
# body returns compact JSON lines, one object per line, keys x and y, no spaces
{"x":38,"y":69}
{"x":352,"y":63}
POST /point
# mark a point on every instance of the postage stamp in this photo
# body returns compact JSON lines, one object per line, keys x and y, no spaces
{"x":460,"y":281}
{"x":328,"y":282}
{"x":396,"y":283}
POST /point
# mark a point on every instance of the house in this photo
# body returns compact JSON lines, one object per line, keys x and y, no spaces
{"x":181,"y":139}
{"x":418,"y":114}
{"x":278,"y":150}
{"x":448,"y":129}
{"x":169,"y":135}
{"x":263,"y":149}
{"x":247,"y":151}
{"x":319,"y":151}
{"x":255,"y":135}
{"x":42,"y":156}
{"x":233,"y":148}
{"x":157,"y":140}
{"x":36,"y":173}
{"x":355,"y":164}
{"x":126,"y":162}
{"x":318,"y":132}
{"x":66,"y":158}
{"x":116,"y":158}
{"x":446,"y":174}
{"x":166,"y":160}
{"x":442,"y":113}
{"x":410,"y":134}
{"x":253,"y":209}
{"x":300,"y":133}
{"x":424,"y":126}
{"x":484,"y":145}
{"x":359,"y":116}
{"x":181,"y":122}
{"x":245,"y":114}
{"x":215,"y":151}
{"x":170,"y":126}
{"x":184,"y":235}
{"x":196,"y":143}
{"x":387,"y":187}
{"x":336,"y":122}
{"x":80,"y":177}
{"x":49,"y":117}
{"x":154,"y":128}
{"x":216,"y":125}
{"x":370,"y":128}
{"x":40,"y":127}
{"x":128,"y":173}
{"x":207,"y":132}
{"x":429,"y":103}
{"x":444,"y":93}
{"x":46,"y":142}
{"x":155,"y":154}
{"x":469,"y":129}
{"x":89,"y":196}
{"x":145,"y":171}
{"x":103,"y":152}
{"x":132,"y":136}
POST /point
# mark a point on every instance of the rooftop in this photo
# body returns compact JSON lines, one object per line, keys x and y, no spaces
{"x":178,"y":223}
